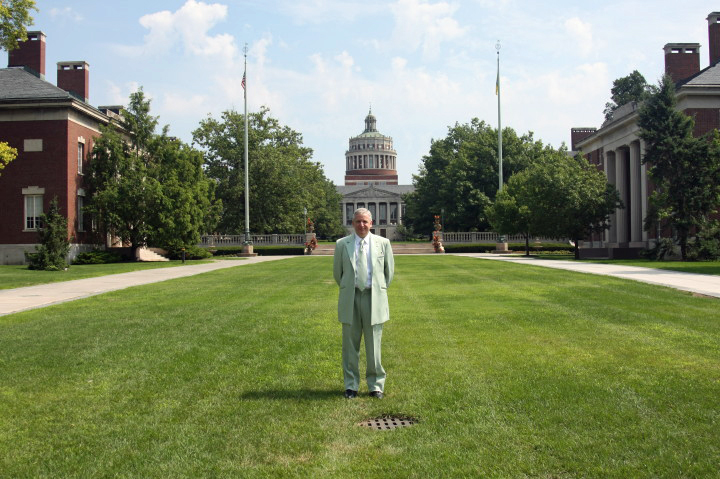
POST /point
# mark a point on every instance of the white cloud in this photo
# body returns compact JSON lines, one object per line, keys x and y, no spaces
{"x":119,"y":94}
{"x":580,"y":34}
{"x":423,"y":25}
{"x":321,"y":11}
{"x":560,"y":100}
{"x":174,"y":103}
{"x":188,"y":27}
{"x":66,"y":13}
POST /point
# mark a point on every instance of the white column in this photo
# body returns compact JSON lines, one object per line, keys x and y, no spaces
{"x":644,"y":193}
{"x":611,"y":234}
{"x":621,"y":163}
{"x":636,"y":217}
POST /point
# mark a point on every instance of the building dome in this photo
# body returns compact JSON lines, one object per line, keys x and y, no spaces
{"x":370,"y":158}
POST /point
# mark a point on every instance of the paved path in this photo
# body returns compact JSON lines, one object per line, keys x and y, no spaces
{"x":31,"y":297}
{"x":706,"y":284}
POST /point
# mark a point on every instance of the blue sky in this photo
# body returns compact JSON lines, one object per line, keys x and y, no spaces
{"x":319,"y":64}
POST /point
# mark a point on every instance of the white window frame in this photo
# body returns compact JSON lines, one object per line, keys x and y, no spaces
{"x":80,"y":213}
{"x":31,"y":203}
{"x":80,"y":155}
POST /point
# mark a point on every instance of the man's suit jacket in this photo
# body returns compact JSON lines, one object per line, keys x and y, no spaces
{"x":383,"y":268}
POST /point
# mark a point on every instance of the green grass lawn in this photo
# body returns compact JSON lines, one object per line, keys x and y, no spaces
{"x":17,"y":276}
{"x":512,"y":370}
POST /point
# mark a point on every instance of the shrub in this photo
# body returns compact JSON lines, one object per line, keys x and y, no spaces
{"x":662,"y":249}
{"x":515,"y":247}
{"x":298,"y":250}
{"x":54,"y":244}
{"x":706,"y":246}
{"x":97,"y":256}
{"x":191,"y":252}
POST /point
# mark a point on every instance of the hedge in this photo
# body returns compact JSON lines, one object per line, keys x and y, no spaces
{"x":261,"y":250}
{"x":515,"y":247}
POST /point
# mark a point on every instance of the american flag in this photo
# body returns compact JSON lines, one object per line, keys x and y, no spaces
{"x":243,"y":81}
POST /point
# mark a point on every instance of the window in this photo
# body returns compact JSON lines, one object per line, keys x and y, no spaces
{"x":80,"y":157}
{"x":80,"y":215}
{"x":33,"y":210}
{"x":383,"y":213}
{"x":393,"y":213}
{"x":373,"y":210}
{"x":349,"y":210}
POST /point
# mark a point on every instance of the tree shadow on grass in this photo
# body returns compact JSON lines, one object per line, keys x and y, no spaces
{"x":294,"y":394}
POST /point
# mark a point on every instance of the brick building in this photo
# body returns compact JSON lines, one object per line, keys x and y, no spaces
{"x":617,"y":149}
{"x":52,"y":127}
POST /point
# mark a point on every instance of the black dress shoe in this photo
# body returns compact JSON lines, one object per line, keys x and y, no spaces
{"x":350,"y":394}
{"x":377,"y":394}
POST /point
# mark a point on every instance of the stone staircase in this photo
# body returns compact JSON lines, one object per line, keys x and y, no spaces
{"x":150,"y":254}
{"x":328,"y":249}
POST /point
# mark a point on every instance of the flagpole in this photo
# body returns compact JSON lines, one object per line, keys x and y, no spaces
{"x":497,"y":88}
{"x":248,"y":241}
{"x":501,"y":244}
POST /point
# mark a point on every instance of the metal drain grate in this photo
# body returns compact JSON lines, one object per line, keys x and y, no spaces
{"x":385,"y":423}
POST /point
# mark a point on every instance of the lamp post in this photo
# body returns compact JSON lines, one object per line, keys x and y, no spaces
{"x":305,"y":226}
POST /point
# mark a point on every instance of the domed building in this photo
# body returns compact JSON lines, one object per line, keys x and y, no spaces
{"x":371,"y":159}
{"x":371,"y":181}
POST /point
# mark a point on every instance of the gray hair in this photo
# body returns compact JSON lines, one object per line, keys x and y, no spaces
{"x":362,"y":211}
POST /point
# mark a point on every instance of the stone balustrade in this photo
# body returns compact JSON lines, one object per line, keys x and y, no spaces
{"x":211,"y":241}
{"x":488,"y":237}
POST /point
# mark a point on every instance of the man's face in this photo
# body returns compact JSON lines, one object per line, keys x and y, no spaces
{"x":362,"y":225}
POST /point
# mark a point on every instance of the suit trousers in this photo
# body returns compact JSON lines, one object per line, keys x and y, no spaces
{"x":351,"y":337}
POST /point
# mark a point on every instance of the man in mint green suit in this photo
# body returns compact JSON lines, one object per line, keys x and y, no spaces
{"x":363,"y":267}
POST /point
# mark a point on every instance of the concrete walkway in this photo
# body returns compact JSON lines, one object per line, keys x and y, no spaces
{"x":31,"y":297}
{"x":705,"y":284}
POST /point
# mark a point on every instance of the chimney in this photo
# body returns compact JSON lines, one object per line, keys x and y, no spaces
{"x":682,"y":60}
{"x":74,"y":78}
{"x":579,"y":134}
{"x":30,"y":54}
{"x":714,"y":36}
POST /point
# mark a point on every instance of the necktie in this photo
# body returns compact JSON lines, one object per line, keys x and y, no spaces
{"x":361,"y":266}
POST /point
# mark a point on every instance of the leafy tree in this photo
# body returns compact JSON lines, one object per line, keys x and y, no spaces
{"x":685,"y":170}
{"x":7,"y":154}
{"x":629,"y":88}
{"x":14,"y":20}
{"x":283,"y":179}
{"x":507,"y":215}
{"x":54,"y":244}
{"x":556,"y":196}
{"x":460,"y":175}
{"x":148,"y":188}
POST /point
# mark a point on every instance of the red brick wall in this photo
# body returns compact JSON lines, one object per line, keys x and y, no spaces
{"x":579,"y":134}
{"x":54,"y":169}
{"x":75,"y":180}
{"x":706,"y":119}
{"x":682,"y":65}
{"x":30,"y":53}
{"x":372,"y":172}
{"x":713,"y":39}
{"x":74,"y":78}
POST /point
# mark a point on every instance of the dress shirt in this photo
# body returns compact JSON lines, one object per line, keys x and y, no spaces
{"x":367,"y":252}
